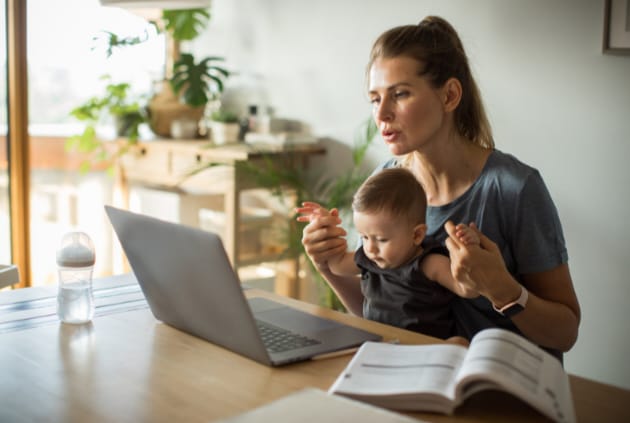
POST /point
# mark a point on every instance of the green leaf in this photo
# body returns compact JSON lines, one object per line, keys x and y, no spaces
{"x":127,"y":112}
{"x":114,"y":41}
{"x":186,"y":24}
{"x":362,"y":141}
{"x":195,"y":81}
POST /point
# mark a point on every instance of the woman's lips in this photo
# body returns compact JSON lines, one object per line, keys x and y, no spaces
{"x":389,"y":136}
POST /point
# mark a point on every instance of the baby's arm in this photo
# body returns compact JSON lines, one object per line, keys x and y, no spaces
{"x":343,"y":264}
{"x":437,"y":267}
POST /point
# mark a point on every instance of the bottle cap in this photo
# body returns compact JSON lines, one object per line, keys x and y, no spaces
{"x":76,"y":250}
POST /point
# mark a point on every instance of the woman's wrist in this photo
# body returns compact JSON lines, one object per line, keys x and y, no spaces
{"x":505,"y":293}
{"x":323,"y":267}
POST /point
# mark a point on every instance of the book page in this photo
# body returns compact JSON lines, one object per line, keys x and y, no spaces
{"x":517,"y":366}
{"x":314,"y":406}
{"x":390,"y":369}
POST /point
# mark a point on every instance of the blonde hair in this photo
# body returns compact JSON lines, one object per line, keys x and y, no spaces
{"x":395,"y":191}
{"x":434,"y":43}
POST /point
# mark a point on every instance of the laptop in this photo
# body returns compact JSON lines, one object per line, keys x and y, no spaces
{"x":189,"y":284}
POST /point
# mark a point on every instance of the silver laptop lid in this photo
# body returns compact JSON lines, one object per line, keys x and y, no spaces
{"x":165,"y":258}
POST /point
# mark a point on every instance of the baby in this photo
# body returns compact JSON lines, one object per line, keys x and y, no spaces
{"x":403,"y":284}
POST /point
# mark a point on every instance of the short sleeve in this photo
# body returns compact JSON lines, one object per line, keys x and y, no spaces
{"x":537,"y":241}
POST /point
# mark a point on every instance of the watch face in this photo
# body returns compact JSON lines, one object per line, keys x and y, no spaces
{"x":513,"y":310}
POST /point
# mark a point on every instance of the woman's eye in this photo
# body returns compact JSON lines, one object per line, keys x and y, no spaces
{"x":374,"y":100}
{"x":401,"y":94}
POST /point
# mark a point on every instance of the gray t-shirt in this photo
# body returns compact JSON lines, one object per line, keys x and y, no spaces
{"x":511,"y":205}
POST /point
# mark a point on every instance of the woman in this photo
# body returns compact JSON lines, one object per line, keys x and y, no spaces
{"x":429,"y":112}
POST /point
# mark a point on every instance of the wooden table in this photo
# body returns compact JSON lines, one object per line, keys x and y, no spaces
{"x":127,"y":367}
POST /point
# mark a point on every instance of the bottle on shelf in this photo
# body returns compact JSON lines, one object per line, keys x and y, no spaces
{"x":252,"y":119}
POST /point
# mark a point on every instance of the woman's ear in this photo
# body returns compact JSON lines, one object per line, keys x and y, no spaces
{"x":452,"y":94}
{"x":419,"y":231}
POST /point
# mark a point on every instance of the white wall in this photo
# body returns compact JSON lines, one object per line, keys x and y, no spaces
{"x":554,"y":100}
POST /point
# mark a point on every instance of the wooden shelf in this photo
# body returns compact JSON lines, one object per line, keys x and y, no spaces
{"x":172,"y":166}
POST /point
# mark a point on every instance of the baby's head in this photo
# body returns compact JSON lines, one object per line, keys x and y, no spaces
{"x":389,"y":213}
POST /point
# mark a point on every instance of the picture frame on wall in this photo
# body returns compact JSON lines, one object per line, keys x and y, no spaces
{"x":616,"y":27}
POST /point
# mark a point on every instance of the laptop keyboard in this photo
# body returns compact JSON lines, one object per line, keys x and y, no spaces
{"x":278,"y":340}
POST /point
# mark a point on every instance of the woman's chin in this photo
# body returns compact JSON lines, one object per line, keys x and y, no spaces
{"x":397,"y":149}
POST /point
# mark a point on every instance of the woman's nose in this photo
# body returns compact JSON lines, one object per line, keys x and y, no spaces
{"x":383,"y":111}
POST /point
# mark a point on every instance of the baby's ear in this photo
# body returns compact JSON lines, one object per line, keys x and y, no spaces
{"x":419,"y":231}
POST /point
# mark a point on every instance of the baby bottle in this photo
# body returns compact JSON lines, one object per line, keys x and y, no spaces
{"x":75,"y":261}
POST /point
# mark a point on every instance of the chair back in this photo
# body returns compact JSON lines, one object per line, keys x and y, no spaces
{"x":9,"y":275}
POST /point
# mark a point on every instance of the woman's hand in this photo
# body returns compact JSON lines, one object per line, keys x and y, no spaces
{"x":480,"y":266}
{"x":552,"y":315}
{"x":322,"y":237}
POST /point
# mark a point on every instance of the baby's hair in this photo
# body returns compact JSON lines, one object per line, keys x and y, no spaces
{"x":395,"y":191}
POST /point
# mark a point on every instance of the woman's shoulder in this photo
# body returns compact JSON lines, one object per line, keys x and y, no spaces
{"x":507,"y":170}
{"x":505,"y":161}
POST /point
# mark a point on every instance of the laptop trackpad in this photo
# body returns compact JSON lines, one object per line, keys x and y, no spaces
{"x":289,"y":318}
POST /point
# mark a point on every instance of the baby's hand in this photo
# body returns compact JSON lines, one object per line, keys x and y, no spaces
{"x":310,"y":211}
{"x":466,"y":235}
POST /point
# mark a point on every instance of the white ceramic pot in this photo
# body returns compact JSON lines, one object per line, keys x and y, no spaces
{"x":224,"y":133}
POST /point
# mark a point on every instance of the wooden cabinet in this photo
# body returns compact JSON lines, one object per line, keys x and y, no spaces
{"x":171,"y":166}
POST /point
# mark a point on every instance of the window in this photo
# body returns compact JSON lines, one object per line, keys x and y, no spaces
{"x":67,"y":57}
{"x":66,"y":60}
{"x":5,"y":224}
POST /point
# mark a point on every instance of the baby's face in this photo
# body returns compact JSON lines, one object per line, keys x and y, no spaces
{"x":387,"y":241}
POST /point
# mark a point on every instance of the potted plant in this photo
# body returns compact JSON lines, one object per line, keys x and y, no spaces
{"x":224,"y":126}
{"x":117,"y":103}
{"x":189,"y":85}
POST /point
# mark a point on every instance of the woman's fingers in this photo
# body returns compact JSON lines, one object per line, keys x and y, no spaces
{"x":322,"y":229}
{"x":320,"y":251}
{"x":485,"y":242}
{"x":310,"y":211}
{"x":311,"y":204}
{"x":322,"y":238}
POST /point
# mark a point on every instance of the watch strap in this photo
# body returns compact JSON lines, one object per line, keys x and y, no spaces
{"x":514,"y":307}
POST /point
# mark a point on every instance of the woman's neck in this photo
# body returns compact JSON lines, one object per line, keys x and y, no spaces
{"x":448,"y":169}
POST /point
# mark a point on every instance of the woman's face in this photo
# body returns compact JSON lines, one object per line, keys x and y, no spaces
{"x":406,"y":108}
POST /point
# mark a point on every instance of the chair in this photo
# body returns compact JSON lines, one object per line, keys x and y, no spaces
{"x":9,"y":275}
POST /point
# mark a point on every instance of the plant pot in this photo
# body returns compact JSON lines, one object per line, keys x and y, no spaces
{"x":127,"y":125}
{"x":164,"y":108}
{"x":224,"y":133}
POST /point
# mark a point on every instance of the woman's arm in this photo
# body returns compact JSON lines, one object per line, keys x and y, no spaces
{"x":552,"y":302}
{"x":323,"y":239}
{"x":552,"y":314}
{"x":347,"y":288}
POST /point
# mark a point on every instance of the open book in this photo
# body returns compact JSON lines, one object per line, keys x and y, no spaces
{"x":440,"y":377}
